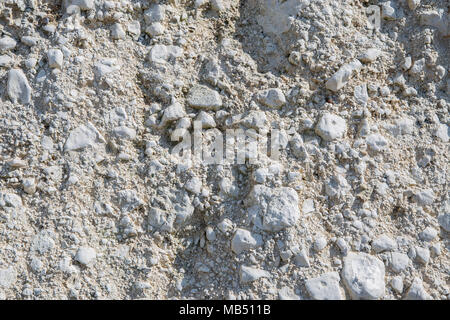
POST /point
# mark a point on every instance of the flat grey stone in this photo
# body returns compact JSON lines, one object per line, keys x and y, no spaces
{"x":331,"y":127}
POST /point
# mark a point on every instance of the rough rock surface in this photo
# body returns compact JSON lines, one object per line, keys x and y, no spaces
{"x":273,"y":209}
{"x":363,"y":275}
{"x":105,"y":192}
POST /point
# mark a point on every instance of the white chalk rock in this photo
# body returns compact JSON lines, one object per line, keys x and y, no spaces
{"x":86,"y":256}
{"x":7,"y":43}
{"x":134,"y":28}
{"x":383,"y":243}
{"x":7,"y":277}
{"x":273,"y":98}
{"x":325,"y":287}
{"x":55,"y":58}
{"x":443,"y":132}
{"x":275,"y":15}
{"x":376,"y":142}
{"x":105,"y":66}
{"x":387,"y":11}
{"x":203,"y":97}
{"x":422,"y":255}
{"x":5,"y":61}
{"x":341,"y":77}
{"x":398,"y":261}
{"x":117,"y":31}
{"x":370,"y":55}
{"x":172,"y":113}
{"x":43,"y":242}
{"x":397,"y":284}
{"x":193,"y":185}
{"x":361,"y":95}
{"x":301,"y":258}
{"x":83,"y":4}
{"x":125,"y":132}
{"x":10,"y":200}
{"x":416,"y":291}
{"x":331,"y":127}
{"x":155,"y":29}
{"x":273,"y":209}
{"x":249,"y":274}
{"x":244,"y":240}
{"x":217,"y":5}
{"x":29,"y":40}
{"x":155,"y":13}
{"x":320,"y":242}
{"x":444,"y":221}
{"x":363,"y":275}
{"x":162,"y":54}
{"x":437,"y":19}
{"x":425,"y":197}
{"x":428,"y":234}
{"x":206,"y":120}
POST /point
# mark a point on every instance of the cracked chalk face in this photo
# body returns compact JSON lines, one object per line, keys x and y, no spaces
{"x":224,"y":149}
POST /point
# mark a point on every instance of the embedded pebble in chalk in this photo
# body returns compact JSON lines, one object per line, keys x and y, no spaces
{"x":243,"y":240}
{"x":369,"y":55}
{"x":55,"y":58}
{"x":7,"y":43}
{"x":249,"y":274}
{"x":383,"y":243}
{"x":343,"y":75}
{"x":273,"y":98}
{"x":325,"y":287}
{"x":273,"y":209}
{"x":416,"y":291}
{"x":331,"y":127}
{"x":86,"y":256}
{"x":202,"y":97}
{"x":18,"y":88}
{"x":82,"y":137}
{"x":363,"y":276}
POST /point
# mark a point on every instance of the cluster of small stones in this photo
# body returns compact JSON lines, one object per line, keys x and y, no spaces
{"x":93,"y":205}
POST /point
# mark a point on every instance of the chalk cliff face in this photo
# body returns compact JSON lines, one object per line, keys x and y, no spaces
{"x":224,"y":149}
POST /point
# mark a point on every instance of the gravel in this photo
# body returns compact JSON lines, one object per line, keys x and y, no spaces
{"x":331,"y":181}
